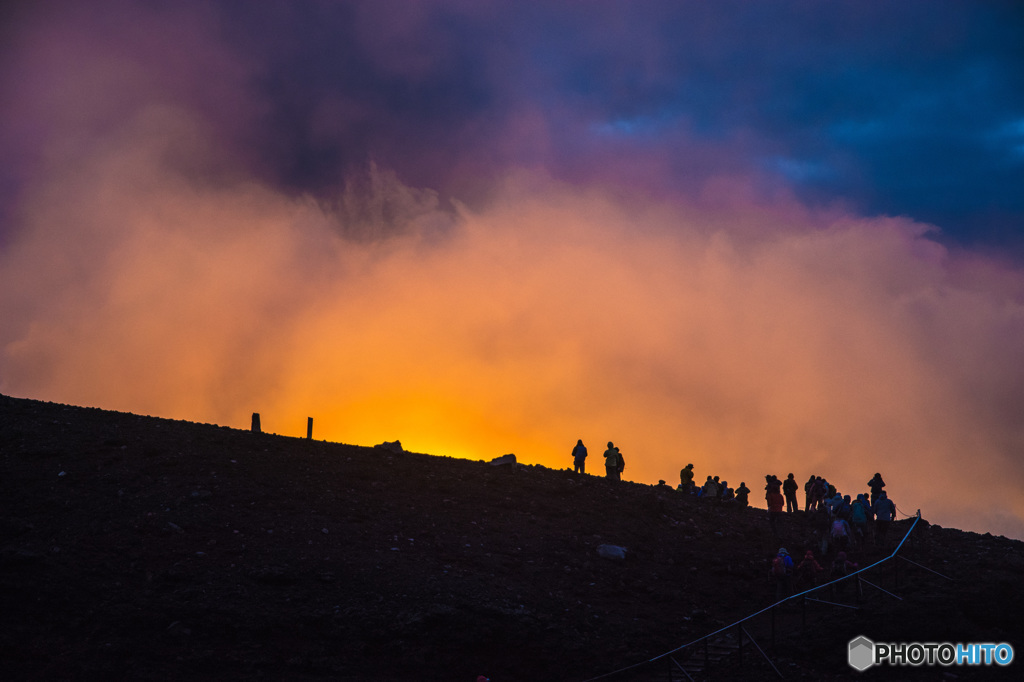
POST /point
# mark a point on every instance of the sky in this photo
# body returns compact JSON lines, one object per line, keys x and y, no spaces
{"x":762,"y":237}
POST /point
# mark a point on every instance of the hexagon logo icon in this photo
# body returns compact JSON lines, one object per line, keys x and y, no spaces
{"x":862,"y":653}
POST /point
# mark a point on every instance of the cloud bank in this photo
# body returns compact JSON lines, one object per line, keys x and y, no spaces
{"x":153,"y":263}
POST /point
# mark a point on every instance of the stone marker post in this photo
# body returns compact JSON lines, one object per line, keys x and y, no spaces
{"x":255,"y":422}
{"x":309,"y":428}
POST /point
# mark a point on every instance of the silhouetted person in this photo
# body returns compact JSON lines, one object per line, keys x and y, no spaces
{"x":876,"y":484}
{"x":789,"y":487}
{"x":885,"y":513}
{"x":808,"y":569}
{"x":832,"y":504}
{"x":710,"y":490}
{"x":686,"y":478}
{"x":782,"y":573}
{"x":579,"y":457}
{"x":611,"y":462}
{"x":842,"y":567}
{"x":840,"y":533}
{"x":726,"y":493}
{"x":807,"y":493}
{"x":773,"y":496}
{"x":859,"y":512}
{"x":741,"y":494}
{"x":818,"y":490}
{"x":845,"y":508}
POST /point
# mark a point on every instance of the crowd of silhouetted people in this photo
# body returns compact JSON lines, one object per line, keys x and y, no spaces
{"x":841,"y":523}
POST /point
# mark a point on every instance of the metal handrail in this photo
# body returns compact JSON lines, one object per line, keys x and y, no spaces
{"x":765,"y":609}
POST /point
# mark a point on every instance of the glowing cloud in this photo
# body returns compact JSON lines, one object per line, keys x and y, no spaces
{"x":150,"y":265}
{"x":748,"y":341}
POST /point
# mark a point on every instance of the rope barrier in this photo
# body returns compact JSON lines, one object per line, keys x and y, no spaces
{"x":765,"y":609}
{"x":903,"y":513}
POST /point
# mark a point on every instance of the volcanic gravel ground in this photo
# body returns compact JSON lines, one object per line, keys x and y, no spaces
{"x":139,"y":548}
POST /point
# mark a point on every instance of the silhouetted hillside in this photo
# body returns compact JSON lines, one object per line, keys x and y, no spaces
{"x":140,"y":548}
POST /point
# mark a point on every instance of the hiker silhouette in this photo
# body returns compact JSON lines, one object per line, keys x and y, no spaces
{"x":612,"y":462}
{"x":885,"y":514}
{"x":579,"y":457}
{"x":808,"y":569}
{"x":741,"y":494}
{"x":876,"y":484}
{"x":773,"y":497}
{"x":789,"y":487}
{"x":782,"y":573}
{"x":686,"y":478}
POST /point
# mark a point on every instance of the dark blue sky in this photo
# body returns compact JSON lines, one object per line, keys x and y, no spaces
{"x":909,"y":108}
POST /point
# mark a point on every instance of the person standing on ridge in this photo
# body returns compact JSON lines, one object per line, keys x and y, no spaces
{"x":885,"y":514}
{"x":741,"y":494}
{"x":876,"y":484}
{"x":686,"y":478}
{"x":773,"y":496}
{"x":789,"y":487}
{"x":611,"y":462}
{"x":807,"y":493}
{"x":579,"y":457}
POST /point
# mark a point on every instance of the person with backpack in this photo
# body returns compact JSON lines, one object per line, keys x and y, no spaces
{"x":831,"y":502}
{"x":859,"y":518}
{"x":840,"y":533}
{"x":843,"y":507}
{"x":579,"y":457}
{"x":789,"y":488}
{"x":782,"y":573}
{"x":842,"y":567}
{"x":808,"y":569}
{"x":885,"y":513}
{"x":818,"y":490}
{"x":709,"y":491}
{"x":611,"y":462}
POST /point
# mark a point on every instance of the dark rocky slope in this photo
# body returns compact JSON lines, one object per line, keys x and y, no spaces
{"x":140,"y":548}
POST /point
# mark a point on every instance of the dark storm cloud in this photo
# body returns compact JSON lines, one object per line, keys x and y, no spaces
{"x":913,"y":108}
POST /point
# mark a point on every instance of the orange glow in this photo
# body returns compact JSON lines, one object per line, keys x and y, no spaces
{"x":748,"y":340}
